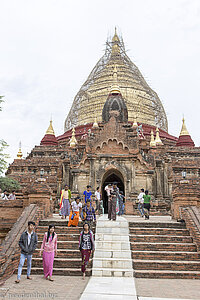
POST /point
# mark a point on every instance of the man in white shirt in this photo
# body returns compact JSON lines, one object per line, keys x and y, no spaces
{"x":97,"y":198}
{"x":27,"y":243}
{"x":141,"y":203}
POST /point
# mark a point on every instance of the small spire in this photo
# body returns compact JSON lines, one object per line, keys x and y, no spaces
{"x":95,"y":124}
{"x":184,"y":139}
{"x":115,"y":43}
{"x":135,"y":124}
{"x":158,"y":140}
{"x":152,"y":142}
{"x":184,"y":130}
{"x":73,"y":140}
{"x":19,"y":154}
{"x":50,"y":129}
{"x":115,"y":87}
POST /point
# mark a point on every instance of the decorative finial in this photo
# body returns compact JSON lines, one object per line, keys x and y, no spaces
{"x":158,"y":140}
{"x":95,"y":124}
{"x":135,"y":124}
{"x":50,"y":129}
{"x":115,"y":43}
{"x":73,"y":140}
{"x":115,"y":87}
{"x":184,"y":130}
{"x":19,"y":154}
{"x":152,"y":142}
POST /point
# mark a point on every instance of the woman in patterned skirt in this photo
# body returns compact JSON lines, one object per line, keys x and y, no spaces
{"x":86,"y":246}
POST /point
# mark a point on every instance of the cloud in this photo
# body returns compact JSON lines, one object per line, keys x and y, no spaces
{"x":48,"y":48}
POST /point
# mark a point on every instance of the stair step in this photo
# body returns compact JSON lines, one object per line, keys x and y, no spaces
{"x":160,"y":238}
{"x":58,"y":271}
{"x":165,"y":255}
{"x":62,"y":237}
{"x":159,"y":231}
{"x":166,"y":265}
{"x":109,"y":245}
{"x":111,"y":237}
{"x":58,"y":223}
{"x":113,"y":254}
{"x":61,"y":262}
{"x":164,"y":246}
{"x":112,"y":230}
{"x":112,"y":263}
{"x":106,"y":272}
{"x":64,"y":244}
{"x":167,"y":274}
{"x":147,"y":224}
{"x":69,"y":253}
{"x":112,"y":224}
{"x":62,"y":229}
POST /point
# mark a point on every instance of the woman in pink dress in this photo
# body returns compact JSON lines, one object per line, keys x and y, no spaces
{"x":49,"y":248}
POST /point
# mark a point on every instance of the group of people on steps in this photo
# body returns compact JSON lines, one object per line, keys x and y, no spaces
{"x":29,"y":240}
{"x":28,"y":244}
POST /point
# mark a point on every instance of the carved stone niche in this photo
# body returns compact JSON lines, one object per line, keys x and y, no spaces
{"x":115,"y":102}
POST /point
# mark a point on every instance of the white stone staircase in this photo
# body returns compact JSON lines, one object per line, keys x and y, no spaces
{"x":112,"y":256}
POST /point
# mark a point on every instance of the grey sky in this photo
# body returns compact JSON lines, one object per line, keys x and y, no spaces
{"x":48,"y":49}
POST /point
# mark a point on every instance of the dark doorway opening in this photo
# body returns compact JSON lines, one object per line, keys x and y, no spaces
{"x":110,"y":179}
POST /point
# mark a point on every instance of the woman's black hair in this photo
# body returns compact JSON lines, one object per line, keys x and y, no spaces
{"x":146,"y":192}
{"x":86,"y":224}
{"x":48,"y":233}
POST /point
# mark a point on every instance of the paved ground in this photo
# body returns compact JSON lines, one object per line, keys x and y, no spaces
{"x":73,"y":287}
{"x":39,"y":288}
{"x":108,"y":288}
{"x":168,"y":288}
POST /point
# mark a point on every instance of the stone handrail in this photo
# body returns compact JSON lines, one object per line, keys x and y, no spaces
{"x":10,"y":251}
{"x":191,"y":216}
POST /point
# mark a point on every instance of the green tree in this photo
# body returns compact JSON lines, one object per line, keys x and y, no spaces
{"x":9,"y":184}
{"x":3,"y":145}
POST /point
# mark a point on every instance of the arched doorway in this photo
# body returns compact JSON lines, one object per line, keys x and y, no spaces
{"x":110,"y":177}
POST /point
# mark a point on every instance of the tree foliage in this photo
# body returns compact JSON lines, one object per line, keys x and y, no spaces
{"x":9,"y":184}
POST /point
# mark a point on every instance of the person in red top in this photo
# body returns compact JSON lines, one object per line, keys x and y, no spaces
{"x":49,"y":248}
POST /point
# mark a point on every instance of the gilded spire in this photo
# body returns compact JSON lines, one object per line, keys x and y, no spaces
{"x":184,"y":130}
{"x":95,"y":124}
{"x":73,"y":140}
{"x":50,"y":129}
{"x":115,"y":87}
{"x":19,"y":154}
{"x":158,"y":140}
{"x":152,"y":142}
{"x":115,"y":43}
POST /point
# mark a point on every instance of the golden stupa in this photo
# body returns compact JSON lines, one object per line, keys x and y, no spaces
{"x":141,"y":101}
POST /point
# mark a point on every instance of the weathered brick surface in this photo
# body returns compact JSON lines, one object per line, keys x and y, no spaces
{"x":191,"y":216}
{"x":38,"y":207}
